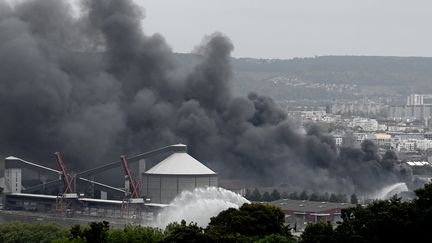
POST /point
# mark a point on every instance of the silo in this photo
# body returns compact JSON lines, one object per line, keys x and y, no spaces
{"x":178,"y":172}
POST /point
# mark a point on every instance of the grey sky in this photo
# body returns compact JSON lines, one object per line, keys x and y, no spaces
{"x":297,"y":28}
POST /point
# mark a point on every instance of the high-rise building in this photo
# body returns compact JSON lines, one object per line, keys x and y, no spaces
{"x":419,"y":99}
{"x":415,"y":99}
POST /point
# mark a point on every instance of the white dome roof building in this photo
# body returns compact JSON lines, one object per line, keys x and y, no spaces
{"x":178,"y":172}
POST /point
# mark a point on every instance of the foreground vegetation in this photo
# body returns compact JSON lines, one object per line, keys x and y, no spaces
{"x":250,"y":223}
{"x":382,"y":221}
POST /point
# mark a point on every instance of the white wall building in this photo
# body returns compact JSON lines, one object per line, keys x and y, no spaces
{"x":339,"y":141}
{"x":368,"y":125}
{"x":382,"y":140}
{"x":177,"y":173}
{"x":360,"y":137}
{"x":424,"y":144}
{"x":382,"y":127}
{"x":406,"y":145}
{"x":13,"y":179}
{"x":415,"y":99}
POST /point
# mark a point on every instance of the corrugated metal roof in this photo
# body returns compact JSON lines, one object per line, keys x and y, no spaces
{"x":180,"y":163}
{"x":418,"y":163}
{"x":301,"y":206}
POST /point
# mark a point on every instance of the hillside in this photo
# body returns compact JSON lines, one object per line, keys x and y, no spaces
{"x":326,"y":78}
{"x":346,"y":69}
{"x":330,"y":77}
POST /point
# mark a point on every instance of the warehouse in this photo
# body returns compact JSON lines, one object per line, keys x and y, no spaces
{"x":300,"y":212}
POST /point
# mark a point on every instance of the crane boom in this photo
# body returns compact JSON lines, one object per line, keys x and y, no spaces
{"x":67,"y":178}
{"x":133,"y":185}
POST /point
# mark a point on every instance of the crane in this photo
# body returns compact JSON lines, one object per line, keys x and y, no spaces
{"x":63,"y":203}
{"x":68,"y":179}
{"x":133,"y":184}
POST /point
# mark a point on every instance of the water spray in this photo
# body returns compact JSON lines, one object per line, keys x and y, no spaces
{"x":199,"y":206}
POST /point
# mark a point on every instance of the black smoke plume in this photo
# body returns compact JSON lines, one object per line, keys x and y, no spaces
{"x":95,"y":86}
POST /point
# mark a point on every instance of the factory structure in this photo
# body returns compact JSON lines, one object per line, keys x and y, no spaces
{"x":299,"y":213}
{"x":179,"y":172}
{"x":144,"y":189}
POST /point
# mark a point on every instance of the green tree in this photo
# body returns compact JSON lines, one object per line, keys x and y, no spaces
{"x":95,"y":232}
{"x":135,"y":234}
{"x":391,"y":220}
{"x":324,"y":197}
{"x":293,"y":195}
{"x":423,"y":206}
{"x":424,"y":198}
{"x":275,"y":195}
{"x":304,"y":196}
{"x":76,"y":233}
{"x":321,"y":232}
{"x":275,"y":238}
{"x":333,"y":198}
{"x":31,"y":232}
{"x":314,"y":197}
{"x":381,"y":221}
{"x":183,"y":232}
{"x":342,"y":198}
{"x":249,"y":220}
{"x":256,"y":195}
{"x":266,"y":197}
{"x":354,"y":199}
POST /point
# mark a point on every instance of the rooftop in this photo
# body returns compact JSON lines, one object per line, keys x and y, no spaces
{"x":302,"y":206}
{"x":180,"y":163}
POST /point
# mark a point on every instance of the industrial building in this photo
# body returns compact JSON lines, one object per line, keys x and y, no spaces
{"x":298,"y":213}
{"x":177,"y":173}
{"x":33,"y":187}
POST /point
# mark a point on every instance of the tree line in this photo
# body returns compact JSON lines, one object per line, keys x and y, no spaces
{"x":392,"y":220}
{"x":256,"y":196}
{"x":250,"y":223}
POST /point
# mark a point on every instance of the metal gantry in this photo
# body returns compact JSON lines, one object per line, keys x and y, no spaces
{"x":133,"y":183}
{"x":65,"y":201}
{"x":68,"y":179}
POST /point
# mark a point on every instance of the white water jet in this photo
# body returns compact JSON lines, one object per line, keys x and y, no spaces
{"x":391,"y":190}
{"x":199,"y":206}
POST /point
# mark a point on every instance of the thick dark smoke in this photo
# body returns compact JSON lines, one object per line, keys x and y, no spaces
{"x":96,"y":86}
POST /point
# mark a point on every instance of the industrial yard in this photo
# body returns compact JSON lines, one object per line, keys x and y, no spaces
{"x":34,"y":190}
